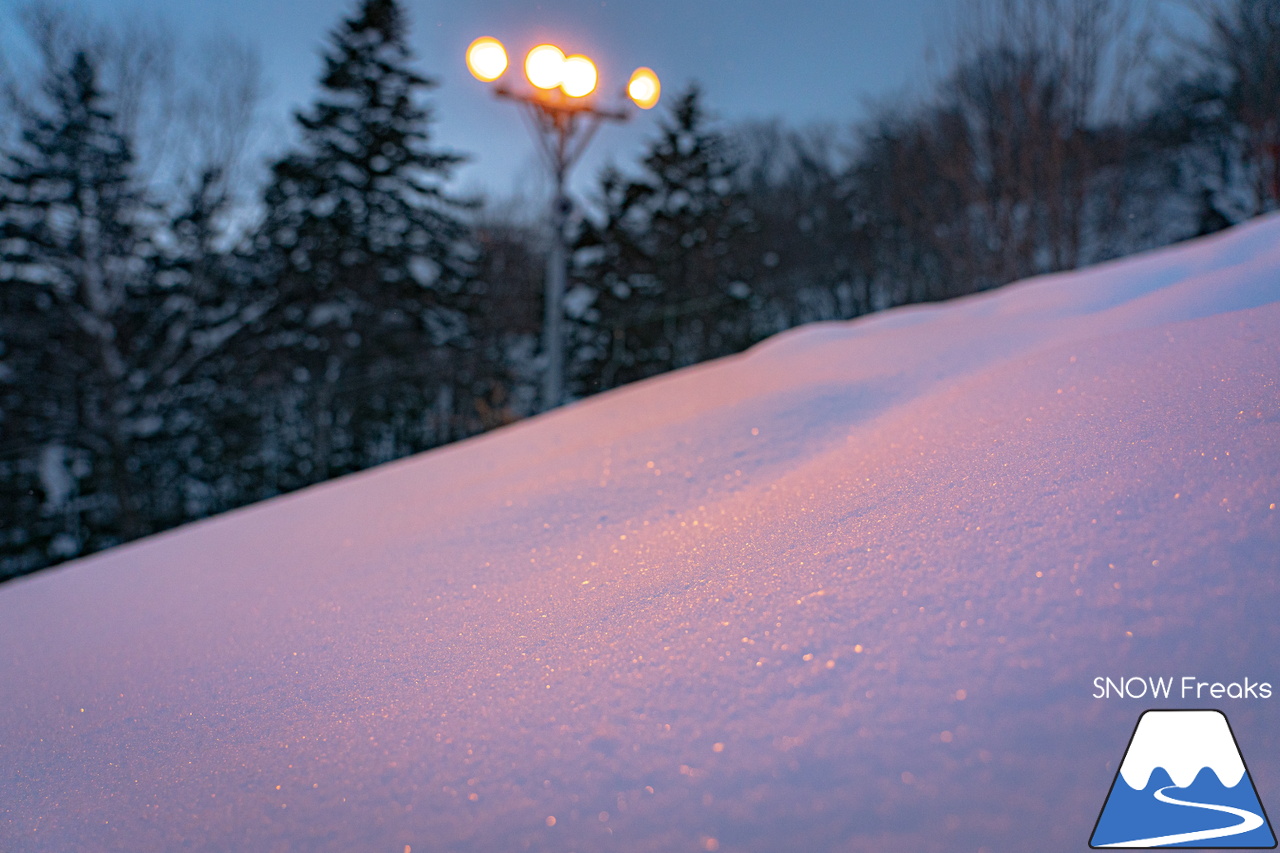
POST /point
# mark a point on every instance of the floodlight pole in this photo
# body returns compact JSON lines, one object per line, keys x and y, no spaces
{"x":563,"y":128}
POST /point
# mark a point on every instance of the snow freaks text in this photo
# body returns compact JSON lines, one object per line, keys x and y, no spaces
{"x":1186,"y":687}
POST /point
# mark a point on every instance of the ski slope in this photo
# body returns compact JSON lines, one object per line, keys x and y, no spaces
{"x":1248,"y":821}
{"x":848,"y":591}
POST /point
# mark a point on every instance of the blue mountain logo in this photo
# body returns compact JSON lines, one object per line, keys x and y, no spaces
{"x":1183,"y":783}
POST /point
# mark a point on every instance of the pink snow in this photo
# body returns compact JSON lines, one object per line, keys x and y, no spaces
{"x":847,"y":591}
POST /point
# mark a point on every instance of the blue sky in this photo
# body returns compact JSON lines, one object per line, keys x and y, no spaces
{"x":803,"y":62}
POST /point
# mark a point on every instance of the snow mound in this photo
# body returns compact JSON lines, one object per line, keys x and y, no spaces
{"x":847,"y":591}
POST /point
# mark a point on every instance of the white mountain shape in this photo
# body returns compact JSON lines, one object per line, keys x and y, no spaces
{"x":1183,"y":743}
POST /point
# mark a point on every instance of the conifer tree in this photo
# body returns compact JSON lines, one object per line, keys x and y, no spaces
{"x":369,"y":257}
{"x":75,"y":278}
{"x":669,"y":290}
{"x":210,"y":303}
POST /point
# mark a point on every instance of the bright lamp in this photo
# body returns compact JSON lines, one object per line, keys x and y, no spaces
{"x":579,"y":77}
{"x":544,"y":66}
{"x":486,"y":59}
{"x":644,"y":88}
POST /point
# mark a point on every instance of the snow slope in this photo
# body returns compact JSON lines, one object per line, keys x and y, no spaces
{"x":848,"y":591}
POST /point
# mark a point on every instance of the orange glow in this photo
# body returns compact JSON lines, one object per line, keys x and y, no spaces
{"x":486,"y":59}
{"x":544,"y":66}
{"x":580,"y":77}
{"x":644,"y":88}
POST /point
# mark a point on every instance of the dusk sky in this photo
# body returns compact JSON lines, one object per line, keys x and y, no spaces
{"x":816,"y":61}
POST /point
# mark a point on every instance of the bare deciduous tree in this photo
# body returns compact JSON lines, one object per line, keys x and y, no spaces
{"x":189,"y":119}
{"x":1243,"y":58}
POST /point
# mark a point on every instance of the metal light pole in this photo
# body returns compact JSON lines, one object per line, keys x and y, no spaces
{"x":563,"y":120}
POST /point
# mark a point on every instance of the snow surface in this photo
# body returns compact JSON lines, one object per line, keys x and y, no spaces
{"x":848,"y":591}
{"x":1183,"y":743}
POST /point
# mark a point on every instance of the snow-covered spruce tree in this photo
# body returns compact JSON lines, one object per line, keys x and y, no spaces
{"x":75,"y":258}
{"x":368,"y":260}
{"x":669,"y":289}
{"x":202,"y":382}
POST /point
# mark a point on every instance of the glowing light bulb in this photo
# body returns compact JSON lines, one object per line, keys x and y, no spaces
{"x":580,"y":77}
{"x":644,"y":88}
{"x":544,"y":66}
{"x":486,"y":59}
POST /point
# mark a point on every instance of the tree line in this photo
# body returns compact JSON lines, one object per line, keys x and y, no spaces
{"x":170,"y":348}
